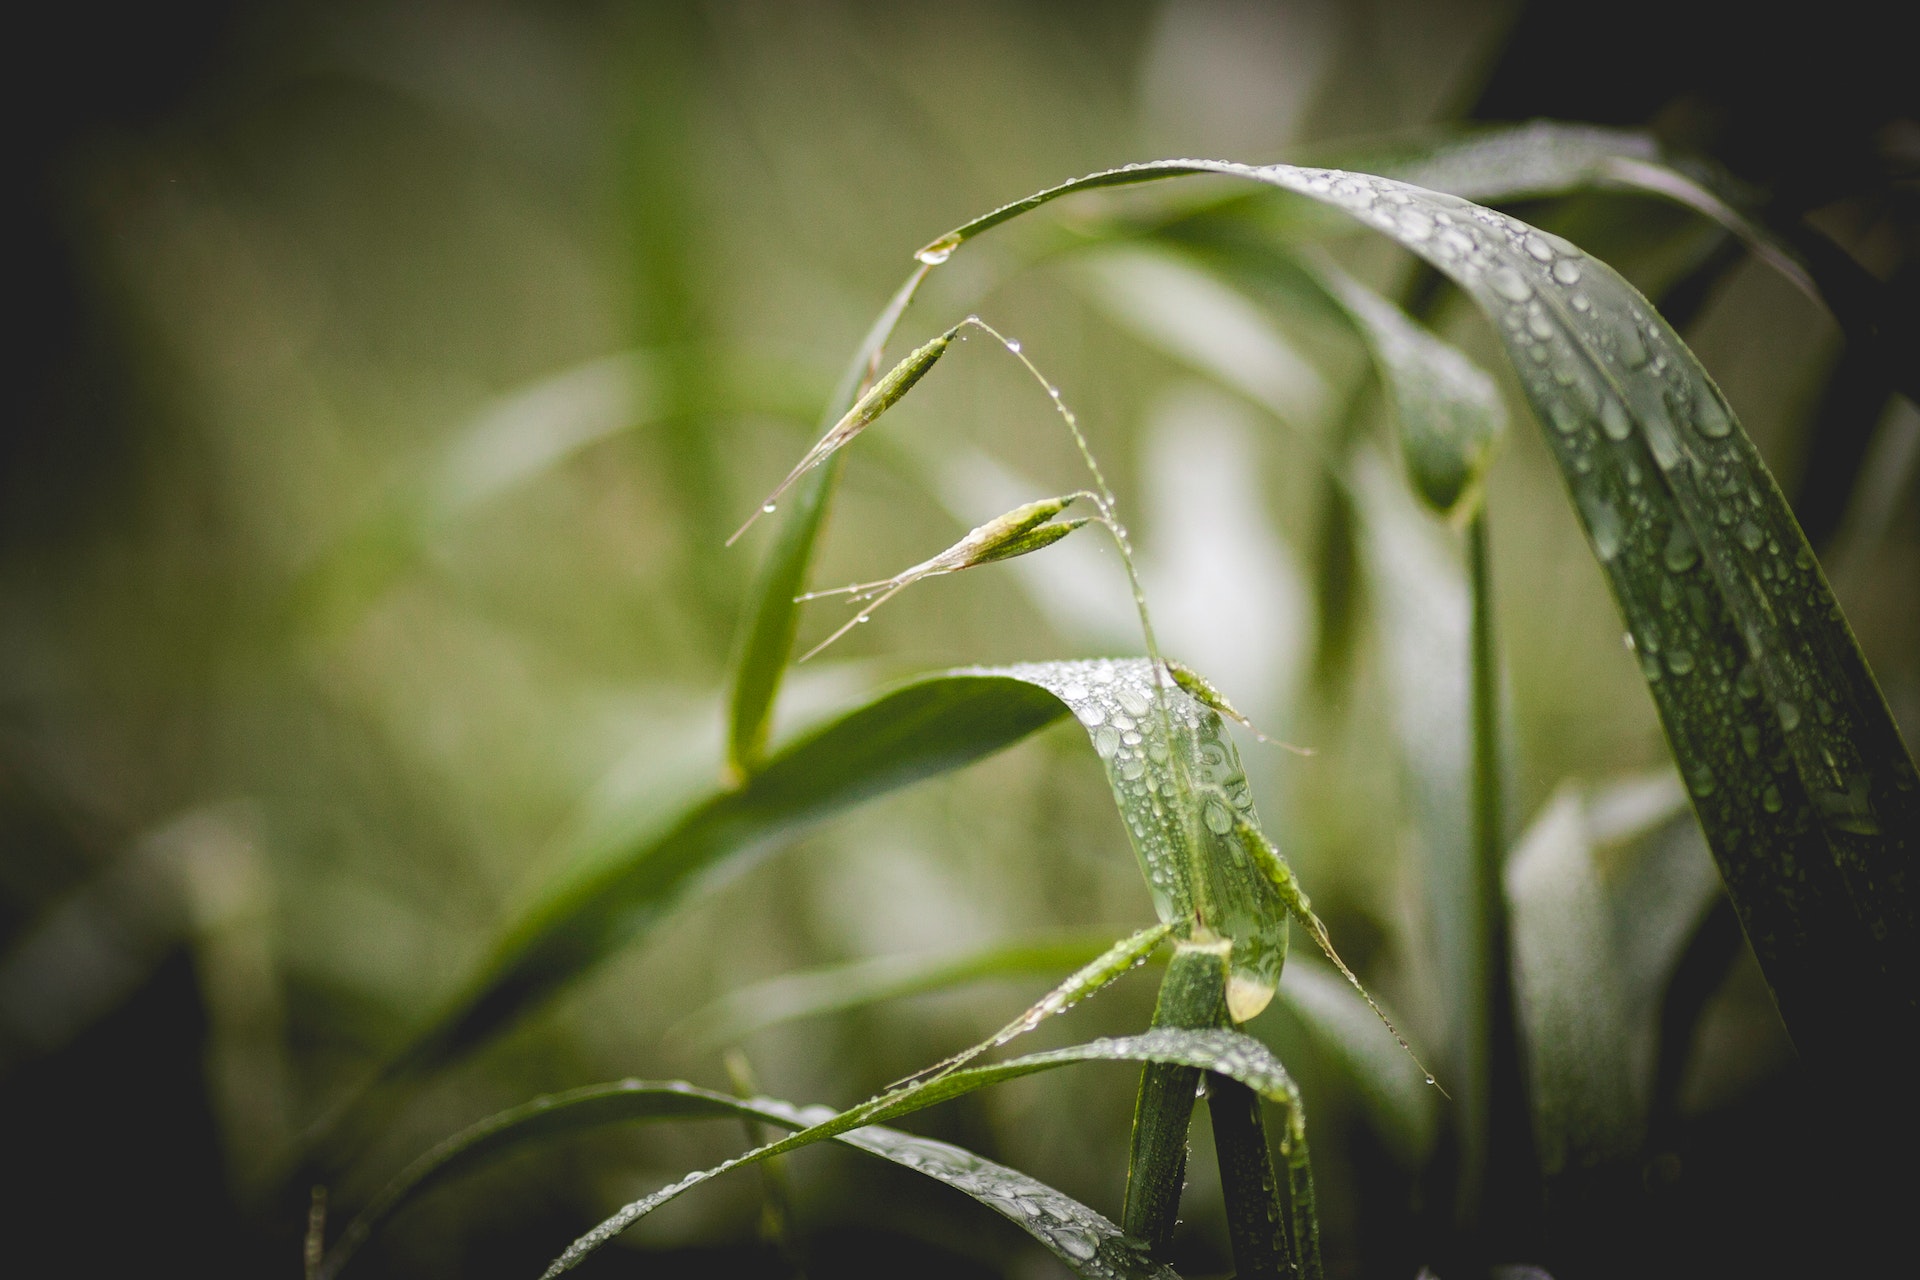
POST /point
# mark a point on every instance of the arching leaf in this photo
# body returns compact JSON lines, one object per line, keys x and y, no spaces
{"x":1806,"y":792}
{"x":1224,"y":1052}
{"x":1080,"y":1237}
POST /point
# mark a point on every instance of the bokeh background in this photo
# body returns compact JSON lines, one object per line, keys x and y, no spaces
{"x":386,"y":378}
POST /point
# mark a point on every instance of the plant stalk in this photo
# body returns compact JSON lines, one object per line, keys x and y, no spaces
{"x":1193,"y":996}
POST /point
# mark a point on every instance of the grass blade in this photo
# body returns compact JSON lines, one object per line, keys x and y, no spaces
{"x":1582,"y":904}
{"x":923,"y":729}
{"x":1080,"y":1237}
{"x":766,"y":636}
{"x":1192,"y":996}
{"x":1226,"y":1053}
{"x":1586,"y":1104}
{"x":1171,"y":795}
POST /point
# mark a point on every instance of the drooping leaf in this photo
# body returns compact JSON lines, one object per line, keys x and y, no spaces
{"x":1180,"y":801}
{"x":1080,"y":1237}
{"x":1225,"y":1052}
{"x":1799,"y":777}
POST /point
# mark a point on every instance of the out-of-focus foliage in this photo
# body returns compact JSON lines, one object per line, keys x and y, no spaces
{"x":397,"y":373}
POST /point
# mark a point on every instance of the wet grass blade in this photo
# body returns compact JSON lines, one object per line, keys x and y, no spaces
{"x":1171,"y":795}
{"x":1801,"y":781}
{"x":1226,"y":1053}
{"x":923,"y":729}
{"x":1585,"y":1102}
{"x":1192,"y":997}
{"x":772,"y":620}
{"x":1581,"y":905}
{"x":1080,"y":1237}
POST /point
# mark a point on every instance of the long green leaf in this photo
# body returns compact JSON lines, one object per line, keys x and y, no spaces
{"x":766,"y":636}
{"x":1193,"y":996}
{"x":1083,"y":1239}
{"x":1600,"y":887}
{"x":1225,"y":1052}
{"x":1801,"y":781}
{"x":923,"y":729}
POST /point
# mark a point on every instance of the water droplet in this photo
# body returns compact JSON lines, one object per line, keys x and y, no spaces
{"x":1682,"y":551}
{"x":1603,"y":526}
{"x":1701,"y":781}
{"x":1538,"y":325}
{"x":1747,"y":683}
{"x":1565,"y":418}
{"x":1106,"y":741}
{"x":939,"y":251}
{"x":1789,"y":715}
{"x":1661,"y":440}
{"x":1579,"y":302}
{"x":1770,"y":800}
{"x":1509,"y":284}
{"x":1538,"y":248}
{"x":1633,"y":349}
{"x":768,"y":508}
{"x":864,"y":617}
{"x":1680,"y":662}
{"x":1567,"y":271}
{"x":1750,"y":741}
{"x":1013,"y":345}
{"x":1090,"y":714}
{"x":1134,"y":700}
{"x":1709,"y":416}
{"x":1219,"y":821}
{"x":1750,"y":535}
{"x":1614,"y":420}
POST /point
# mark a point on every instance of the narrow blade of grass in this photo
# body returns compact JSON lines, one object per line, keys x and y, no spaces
{"x":1224,"y":1052}
{"x":1586,"y":1106}
{"x":1084,"y":1240}
{"x":766,"y":636}
{"x":924,"y":729}
{"x":1193,"y":996}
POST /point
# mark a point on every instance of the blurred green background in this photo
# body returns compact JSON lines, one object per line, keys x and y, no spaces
{"x":391,"y":375}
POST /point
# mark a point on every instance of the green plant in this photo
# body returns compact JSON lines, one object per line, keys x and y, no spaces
{"x":1794,"y":769}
